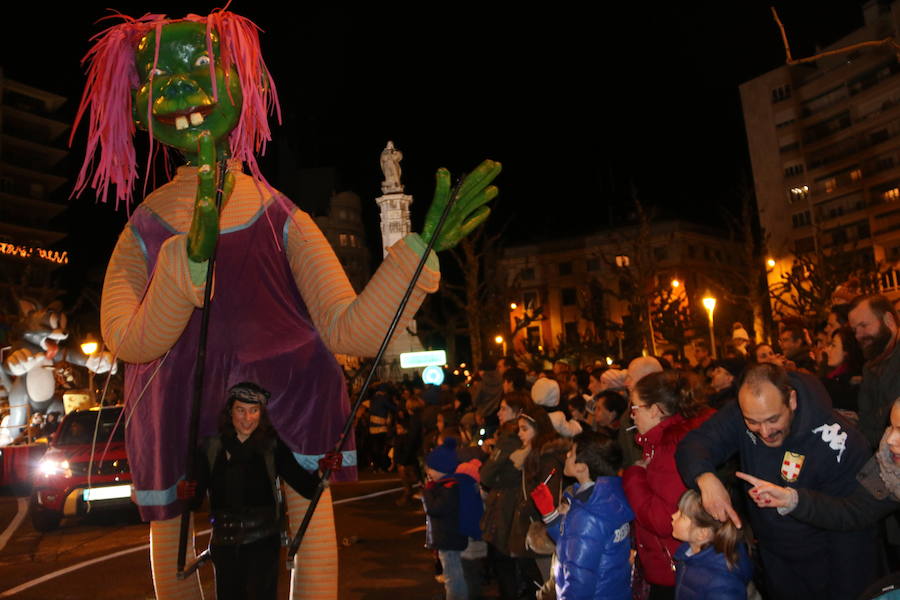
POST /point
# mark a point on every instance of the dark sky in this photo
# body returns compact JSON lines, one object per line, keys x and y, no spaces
{"x":579,"y":104}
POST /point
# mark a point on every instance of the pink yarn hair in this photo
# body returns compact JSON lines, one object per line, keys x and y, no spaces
{"x":112,"y":75}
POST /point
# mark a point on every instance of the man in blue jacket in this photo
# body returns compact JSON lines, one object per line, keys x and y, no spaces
{"x":784,"y":430}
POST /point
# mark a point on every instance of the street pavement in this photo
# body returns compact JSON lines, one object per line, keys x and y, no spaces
{"x":381,"y":551}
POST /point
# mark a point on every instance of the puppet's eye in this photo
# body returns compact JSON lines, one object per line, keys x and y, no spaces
{"x":202,"y":61}
{"x":157,"y":72}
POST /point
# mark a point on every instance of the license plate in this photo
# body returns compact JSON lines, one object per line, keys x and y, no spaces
{"x":107,"y":493}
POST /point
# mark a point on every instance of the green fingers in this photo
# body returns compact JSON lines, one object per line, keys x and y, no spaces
{"x":468,"y":212}
{"x":205,"y":222}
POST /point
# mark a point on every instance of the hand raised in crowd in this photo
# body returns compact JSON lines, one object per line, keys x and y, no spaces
{"x":716,"y":500}
{"x":543,"y":499}
{"x":768,"y":495}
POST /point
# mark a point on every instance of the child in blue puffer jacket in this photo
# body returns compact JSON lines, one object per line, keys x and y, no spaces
{"x":591,"y":526}
{"x":713,"y":562}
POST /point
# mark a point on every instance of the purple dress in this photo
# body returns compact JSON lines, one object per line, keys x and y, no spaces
{"x":260,"y":330}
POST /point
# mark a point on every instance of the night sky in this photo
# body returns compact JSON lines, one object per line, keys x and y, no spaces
{"x":580,"y":106}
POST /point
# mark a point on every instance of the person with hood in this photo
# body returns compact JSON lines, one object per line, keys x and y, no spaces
{"x":453,"y":510}
{"x":723,"y":381}
{"x":665,"y":406}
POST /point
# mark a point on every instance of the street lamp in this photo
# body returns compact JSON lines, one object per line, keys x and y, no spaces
{"x":513,"y":306}
{"x":770,"y":263}
{"x":90,"y":346}
{"x":675,"y":283}
{"x":500,"y":341}
{"x":710,"y":304}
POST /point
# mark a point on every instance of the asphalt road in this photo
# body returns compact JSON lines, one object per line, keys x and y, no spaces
{"x":106,"y":557}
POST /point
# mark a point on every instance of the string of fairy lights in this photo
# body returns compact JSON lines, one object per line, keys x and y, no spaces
{"x":21,"y":251}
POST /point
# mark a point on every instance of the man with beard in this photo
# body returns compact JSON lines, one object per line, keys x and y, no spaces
{"x":874,"y":322}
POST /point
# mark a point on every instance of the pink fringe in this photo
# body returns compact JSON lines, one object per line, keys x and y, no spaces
{"x":112,"y":75}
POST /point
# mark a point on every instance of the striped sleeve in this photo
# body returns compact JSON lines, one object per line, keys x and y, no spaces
{"x":140,"y":322}
{"x":351,"y":324}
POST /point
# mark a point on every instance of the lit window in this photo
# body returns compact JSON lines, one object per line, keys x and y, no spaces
{"x":622,"y":260}
{"x":830,"y":184}
{"x":799,"y":193}
{"x":891,"y":195}
{"x":855,"y":174}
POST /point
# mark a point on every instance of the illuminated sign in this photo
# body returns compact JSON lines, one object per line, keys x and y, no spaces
{"x":412,"y":360}
{"x":18,"y":251}
{"x":433,"y":375}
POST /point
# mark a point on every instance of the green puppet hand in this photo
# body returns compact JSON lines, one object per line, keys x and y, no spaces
{"x":469,"y":210}
{"x":204,"y":230}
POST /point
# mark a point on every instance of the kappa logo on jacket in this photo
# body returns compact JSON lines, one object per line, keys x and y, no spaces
{"x":834,"y":437}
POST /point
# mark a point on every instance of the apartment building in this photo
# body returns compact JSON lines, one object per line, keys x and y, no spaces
{"x":824,"y":141}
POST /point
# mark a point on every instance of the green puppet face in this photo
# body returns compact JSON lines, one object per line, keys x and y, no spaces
{"x":183,"y":102}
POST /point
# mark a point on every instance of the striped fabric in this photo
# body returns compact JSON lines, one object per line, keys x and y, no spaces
{"x":141,"y":322}
{"x":315,"y":573}
{"x":144,"y":314}
{"x":164,"y":562}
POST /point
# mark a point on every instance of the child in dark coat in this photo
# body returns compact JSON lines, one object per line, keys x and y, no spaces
{"x":453,"y":510}
{"x":713,"y":562}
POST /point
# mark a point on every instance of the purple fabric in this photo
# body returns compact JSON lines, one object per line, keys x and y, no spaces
{"x":260,"y":330}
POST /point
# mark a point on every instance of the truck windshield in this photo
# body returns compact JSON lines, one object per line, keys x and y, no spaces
{"x":78,"y":428}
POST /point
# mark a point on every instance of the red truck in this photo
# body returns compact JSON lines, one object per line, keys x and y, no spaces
{"x":68,"y":482}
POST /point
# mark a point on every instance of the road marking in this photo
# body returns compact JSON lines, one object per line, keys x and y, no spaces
{"x":93,"y":561}
{"x":373,"y":495}
{"x":14,"y":524}
{"x":413,"y":530}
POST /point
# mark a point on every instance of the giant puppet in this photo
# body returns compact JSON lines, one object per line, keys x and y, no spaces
{"x":281,"y":302}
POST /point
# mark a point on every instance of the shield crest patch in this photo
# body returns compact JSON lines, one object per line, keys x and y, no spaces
{"x":791,"y":465}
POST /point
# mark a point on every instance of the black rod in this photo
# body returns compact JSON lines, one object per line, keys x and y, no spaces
{"x":320,"y":488}
{"x":199,"y":372}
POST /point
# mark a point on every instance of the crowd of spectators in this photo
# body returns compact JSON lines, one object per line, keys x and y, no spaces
{"x":750,"y":476}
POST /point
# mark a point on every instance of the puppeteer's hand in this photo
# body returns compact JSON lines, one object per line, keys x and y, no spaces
{"x":204,"y":230}
{"x":186,"y":490}
{"x":331,"y":460}
{"x":469,"y":210}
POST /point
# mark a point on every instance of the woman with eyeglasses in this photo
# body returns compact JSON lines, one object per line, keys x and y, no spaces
{"x":665,"y":406}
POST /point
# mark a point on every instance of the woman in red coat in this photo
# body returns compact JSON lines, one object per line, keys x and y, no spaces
{"x":664,"y":407}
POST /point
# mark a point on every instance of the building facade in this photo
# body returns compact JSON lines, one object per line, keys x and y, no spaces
{"x":31,"y":151}
{"x":824,"y":141}
{"x":344,"y":230}
{"x":578,"y":281}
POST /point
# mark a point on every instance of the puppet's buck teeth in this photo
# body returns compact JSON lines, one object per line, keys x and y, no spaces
{"x":181,"y":123}
{"x":196,"y":118}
